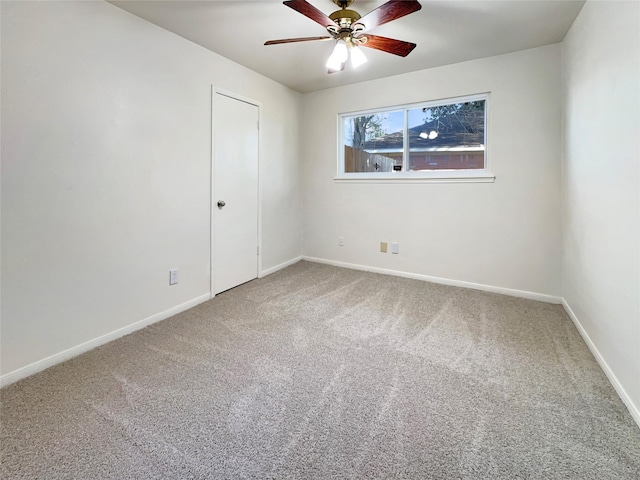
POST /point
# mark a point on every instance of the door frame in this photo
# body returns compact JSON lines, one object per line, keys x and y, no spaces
{"x":215,"y":91}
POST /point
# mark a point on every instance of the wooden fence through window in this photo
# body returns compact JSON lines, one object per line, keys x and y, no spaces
{"x":357,"y":161}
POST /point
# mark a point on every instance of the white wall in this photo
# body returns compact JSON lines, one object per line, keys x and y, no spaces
{"x":601,"y":187}
{"x":106,"y":150}
{"x":504,"y":234}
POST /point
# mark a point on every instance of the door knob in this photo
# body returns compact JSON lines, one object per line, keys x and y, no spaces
{"x":221,"y":203}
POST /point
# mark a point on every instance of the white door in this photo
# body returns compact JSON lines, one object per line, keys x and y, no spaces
{"x":235,"y":193}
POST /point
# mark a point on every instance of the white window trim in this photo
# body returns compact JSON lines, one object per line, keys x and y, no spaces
{"x":484,"y":175}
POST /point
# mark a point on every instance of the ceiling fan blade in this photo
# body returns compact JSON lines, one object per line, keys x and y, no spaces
{"x":308,"y":10}
{"x":389,"y":11}
{"x":292,"y":40}
{"x":389,"y":45}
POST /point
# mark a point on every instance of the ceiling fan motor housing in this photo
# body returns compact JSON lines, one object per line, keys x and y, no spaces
{"x":345,"y":18}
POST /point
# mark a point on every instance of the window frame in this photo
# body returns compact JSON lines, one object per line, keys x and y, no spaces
{"x":419,"y":176}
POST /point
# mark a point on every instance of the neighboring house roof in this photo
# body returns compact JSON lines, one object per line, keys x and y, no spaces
{"x":454,"y":131}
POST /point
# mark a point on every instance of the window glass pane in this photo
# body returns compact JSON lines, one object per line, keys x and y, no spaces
{"x":373,"y":142}
{"x":447,"y":137}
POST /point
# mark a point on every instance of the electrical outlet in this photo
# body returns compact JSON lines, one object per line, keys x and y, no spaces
{"x":394,"y":247}
{"x":173,"y":276}
{"x":383,"y":247}
{"x":341,"y":241}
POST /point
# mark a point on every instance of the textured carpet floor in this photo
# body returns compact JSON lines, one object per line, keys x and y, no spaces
{"x":322,"y":372}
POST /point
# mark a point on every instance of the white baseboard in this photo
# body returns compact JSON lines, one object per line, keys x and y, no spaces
{"x":60,"y":357}
{"x":622,"y":393}
{"x":444,"y":281}
{"x":271,"y":270}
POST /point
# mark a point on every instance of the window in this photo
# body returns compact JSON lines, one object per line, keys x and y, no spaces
{"x":441,"y":140}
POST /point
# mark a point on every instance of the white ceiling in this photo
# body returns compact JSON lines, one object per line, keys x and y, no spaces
{"x":446,"y":32}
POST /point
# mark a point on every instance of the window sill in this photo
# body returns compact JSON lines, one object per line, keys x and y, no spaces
{"x":439,"y":177}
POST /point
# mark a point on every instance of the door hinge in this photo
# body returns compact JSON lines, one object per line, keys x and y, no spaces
{"x":258,"y":250}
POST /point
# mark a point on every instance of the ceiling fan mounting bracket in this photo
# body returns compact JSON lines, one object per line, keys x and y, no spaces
{"x":357,"y":41}
{"x":342,"y":3}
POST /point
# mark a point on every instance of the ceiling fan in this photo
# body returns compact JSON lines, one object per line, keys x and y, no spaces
{"x":349,"y":30}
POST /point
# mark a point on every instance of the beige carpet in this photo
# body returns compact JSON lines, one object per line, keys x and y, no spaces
{"x":322,"y":372}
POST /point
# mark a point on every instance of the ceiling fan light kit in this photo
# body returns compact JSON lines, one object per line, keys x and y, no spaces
{"x":357,"y":56}
{"x":338,"y":56}
{"x":349,"y":30}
